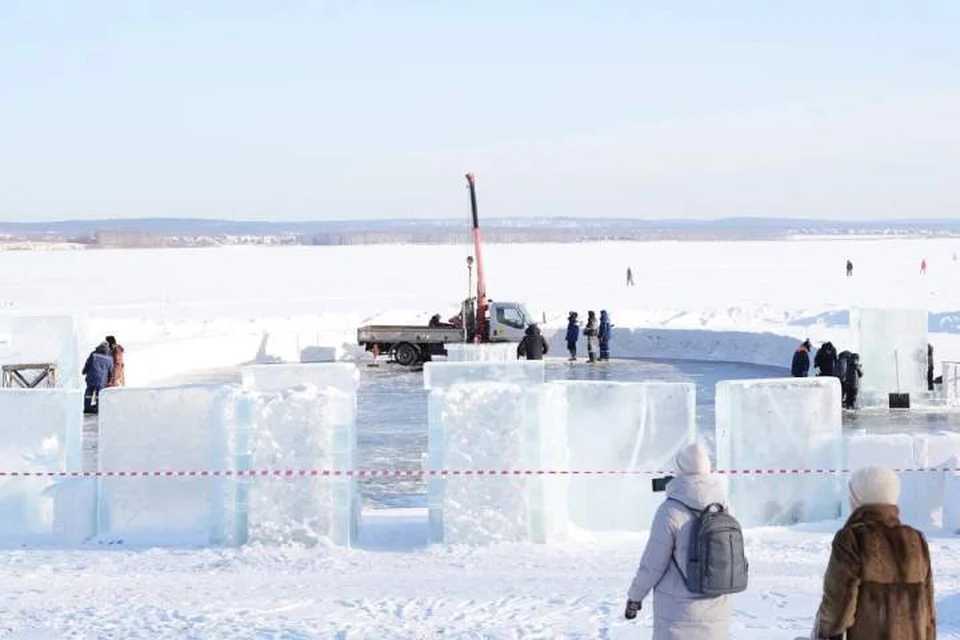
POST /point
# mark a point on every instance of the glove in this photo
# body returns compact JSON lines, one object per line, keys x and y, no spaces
{"x":632,"y":607}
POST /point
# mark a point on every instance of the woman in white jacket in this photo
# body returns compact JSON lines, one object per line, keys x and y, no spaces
{"x":677,"y":613}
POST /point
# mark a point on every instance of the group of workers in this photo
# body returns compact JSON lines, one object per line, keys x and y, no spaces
{"x":104,"y":368}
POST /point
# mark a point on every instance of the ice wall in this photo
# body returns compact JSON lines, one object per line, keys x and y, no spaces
{"x":62,"y":340}
{"x":489,"y":416}
{"x":278,"y":377}
{"x":175,"y":428}
{"x":616,"y":426}
{"x":788,"y":423}
{"x":300,"y":427}
{"x":492,"y":352}
{"x":41,"y":430}
{"x":889,"y":340}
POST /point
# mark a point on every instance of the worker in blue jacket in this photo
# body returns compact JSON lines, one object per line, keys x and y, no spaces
{"x":97,"y":372}
{"x":800,"y":367}
{"x":573,"y":334}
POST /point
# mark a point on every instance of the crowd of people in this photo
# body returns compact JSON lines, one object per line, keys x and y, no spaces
{"x":878,"y":583}
{"x":104,"y":368}
{"x":844,"y":365}
{"x":597,"y":331}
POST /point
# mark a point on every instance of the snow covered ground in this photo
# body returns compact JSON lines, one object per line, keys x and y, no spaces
{"x":183,"y":312}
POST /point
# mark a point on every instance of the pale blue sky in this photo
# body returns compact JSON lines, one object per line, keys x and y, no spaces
{"x":347,"y":109}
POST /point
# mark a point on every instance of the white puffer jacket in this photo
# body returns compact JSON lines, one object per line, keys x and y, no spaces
{"x":677,"y":613}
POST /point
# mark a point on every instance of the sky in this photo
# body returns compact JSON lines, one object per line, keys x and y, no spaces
{"x":341,"y":109}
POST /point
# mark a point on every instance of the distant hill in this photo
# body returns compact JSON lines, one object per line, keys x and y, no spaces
{"x":161,"y":232}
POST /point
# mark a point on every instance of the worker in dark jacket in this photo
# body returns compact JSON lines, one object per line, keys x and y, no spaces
{"x":97,"y":371}
{"x":851,"y":382}
{"x":826,"y":359}
{"x":591,"y":331}
{"x":604,"y":335}
{"x":573,"y":334}
{"x":800,"y":367}
{"x":533,"y":346}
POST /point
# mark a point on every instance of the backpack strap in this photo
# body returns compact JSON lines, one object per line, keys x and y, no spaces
{"x":673,"y":553}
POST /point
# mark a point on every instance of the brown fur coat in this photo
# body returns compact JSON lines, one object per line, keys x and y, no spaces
{"x":879,"y":584}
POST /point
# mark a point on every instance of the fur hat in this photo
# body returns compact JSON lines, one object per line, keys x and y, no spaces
{"x":693,"y":460}
{"x":873,"y":485}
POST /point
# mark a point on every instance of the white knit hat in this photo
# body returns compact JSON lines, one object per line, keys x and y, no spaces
{"x":874,"y":485}
{"x":693,"y":459}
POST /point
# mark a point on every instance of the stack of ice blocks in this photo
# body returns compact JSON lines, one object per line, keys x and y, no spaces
{"x":620,"y":426}
{"x":892,"y":344}
{"x":492,"y":352}
{"x":790,"y":423}
{"x":60,"y":340}
{"x":487,"y":416}
{"x":42,"y":431}
{"x":300,"y":416}
{"x":166,"y":429}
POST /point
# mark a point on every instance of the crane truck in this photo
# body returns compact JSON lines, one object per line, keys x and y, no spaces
{"x":480,"y":320}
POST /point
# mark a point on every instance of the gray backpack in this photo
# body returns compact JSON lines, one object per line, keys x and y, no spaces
{"x":716,"y":564}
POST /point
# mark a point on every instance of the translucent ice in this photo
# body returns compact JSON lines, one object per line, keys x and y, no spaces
{"x":621,"y":426}
{"x":951,"y":383}
{"x":890,"y":342}
{"x":789,"y":423}
{"x":277,"y":377}
{"x":494,"y":352}
{"x":175,"y":428}
{"x":492,"y":426}
{"x":439,"y":375}
{"x":60,"y":340}
{"x":41,"y":431}
{"x":300,"y":429}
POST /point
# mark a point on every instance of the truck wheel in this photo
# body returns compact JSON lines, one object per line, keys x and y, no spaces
{"x":406,"y":354}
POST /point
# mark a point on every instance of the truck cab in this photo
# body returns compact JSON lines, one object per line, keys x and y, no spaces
{"x":508,"y":321}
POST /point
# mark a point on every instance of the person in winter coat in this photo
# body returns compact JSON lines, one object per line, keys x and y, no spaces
{"x":849,"y":268}
{"x":929,"y":367}
{"x":116,"y":350}
{"x":97,"y":371}
{"x":826,"y":359}
{"x":573,"y":334}
{"x":533,"y":346}
{"x":850,"y":384}
{"x":677,"y":613}
{"x":592,"y":331}
{"x":800,"y":367}
{"x":603,"y":335}
{"x":879,"y":582}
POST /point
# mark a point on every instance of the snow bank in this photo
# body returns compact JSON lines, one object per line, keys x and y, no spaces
{"x":764,"y":348}
{"x":277,"y":377}
{"x":61,"y":340}
{"x":40,"y":430}
{"x":163,"y":360}
{"x":789,"y":423}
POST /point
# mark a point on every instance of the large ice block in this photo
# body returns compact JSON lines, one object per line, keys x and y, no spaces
{"x":493,"y":426}
{"x":925,"y":500}
{"x":60,"y":340}
{"x":621,"y":426}
{"x":170,"y":429}
{"x":951,"y":383}
{"x":892,"y":344}
{"x":783,"y":423}
{"x":277,"y":377}
{"x":493,"y":352}
{"x":301,"y":429}
{"x":41,"y":430}
{"x":440,"y":375}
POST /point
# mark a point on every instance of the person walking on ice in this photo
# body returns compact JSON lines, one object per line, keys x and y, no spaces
{"x":923,"y":267}
{"x":849,"y":268}
{"x":629,"y":277}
